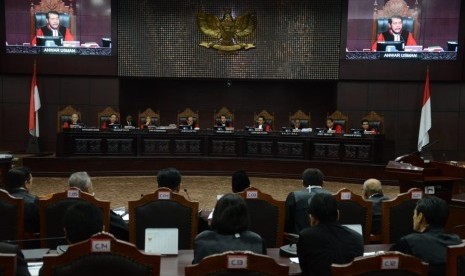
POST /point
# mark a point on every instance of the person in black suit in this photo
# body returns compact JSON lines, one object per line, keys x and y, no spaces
{"x":326,"y":241}
{"x":112,"y":123}
{"x":229,"y":225}
{"x":372,"y":191}
{"x":129,"y":121}
{"x":118,"y":227}
{"x":239,"y":181}
{"x":18,"y":182}
{"x":223,"y":122}
{"x":21,"y":265}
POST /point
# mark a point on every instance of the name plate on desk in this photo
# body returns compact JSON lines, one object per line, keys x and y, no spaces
{"x":258,"y":132}
{"x":120,"y":130}
{"x":90,"y":129}
{"x":288,"y":133}
{"x":188,"y":131}
{"x":357,"y":135}
{"x":154,"y":130}
{"x":324,"y":134}
{"x":224,"y":131}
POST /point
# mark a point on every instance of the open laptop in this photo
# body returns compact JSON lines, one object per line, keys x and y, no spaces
{"x":163,"y":241}
{"x":356,"y":227}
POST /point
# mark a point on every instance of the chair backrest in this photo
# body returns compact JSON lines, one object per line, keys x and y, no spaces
{"x":305,"y":119}
{"x":388,"y":263}
{"x":459,"y":230}
{"x":102,"y":255}
{"x":269,"y":118}
{"x":7,"y":264}
{"x":182,"y":117}
{"x":237,"y":263}
{"x":223,"y":111}
{"x":397,"y":215}
{"x":266,"y":216}
{"x":353,"y":209}
{"x":154,"y":116}
{"x":104,"y":115}
{"x":12,"y":210}
{"x":340,"y":119}
{"x":455,"y":260}
{"x":64,"y":115}
{"x":410,"y":17}
{"x":375,"y":121}
{"x":39,"y":11}
{"x":52,"y":211}
{"x":163,"y":209}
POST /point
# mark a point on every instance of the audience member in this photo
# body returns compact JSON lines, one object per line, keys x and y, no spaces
{"x":118,"y":227}
{"x":372,"y":191}
{"x":326,"y":241}
{"x":240,"y":181}
{"x":331,"y":127}
{"x":81,"y":221}
{"x":18,"y":182}
{"x":21,"y":264}
{"x":230,"y":226}
{"x":429,"y":243}
{"x":169,"y":178}
{"x":297,"y":202}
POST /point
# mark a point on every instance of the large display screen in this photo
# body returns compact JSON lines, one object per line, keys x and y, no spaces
{"x":403,"y":29}
{"x":58,"y":27}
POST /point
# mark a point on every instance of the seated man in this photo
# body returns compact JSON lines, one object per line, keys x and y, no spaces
{"x":372,"y":191}
{"x":189,"y":123}
{"x":21,"y":264}
{"x":297,"y":202}
{"x":429,"y":243}
{"x":326,"y":242}
{"x":148,"y":123}
{"x":331,"y":127}
{"x":81,"y":221}
{"x":53,"y":28}
{"x":395,"y":33}
{"x":74,"y":122}
{"x":297,"y":125}
{"x":112,"y":123}
{"x":169,"y":178}
{"x":223,"y":122}
{"x":129,"y":121}
{"x":367,"y":129}
{"x":240,"y":181}
{"x":262,"y":125}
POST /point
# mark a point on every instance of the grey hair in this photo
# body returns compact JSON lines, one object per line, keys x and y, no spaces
{"x":80,"y":180}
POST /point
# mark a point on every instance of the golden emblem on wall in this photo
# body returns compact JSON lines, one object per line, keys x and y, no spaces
{"x":227,"y":30}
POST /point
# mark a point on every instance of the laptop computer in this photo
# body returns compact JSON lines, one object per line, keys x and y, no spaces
{"x":162,"y":241}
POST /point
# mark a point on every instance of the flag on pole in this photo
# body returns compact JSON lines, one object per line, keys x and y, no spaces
{"x":425,"y":121}
{"x":34,"y":106}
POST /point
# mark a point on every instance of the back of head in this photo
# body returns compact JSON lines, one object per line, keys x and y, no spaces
{"x":81,"y":221}
{"x":15,"y":178}
{"x":434,"y":209}
{"x":169,"y":178}
{"x":230,"y":215}
{"x":323,"y":207}
{"x":312,"y":177}
{"x":240,"y":181}
{"x":26,"y":171}
{"x":80,"y":180}
{"x":372,"y":186}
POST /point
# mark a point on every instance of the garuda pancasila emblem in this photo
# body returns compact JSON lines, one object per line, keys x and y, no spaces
{"x":227,"y":30}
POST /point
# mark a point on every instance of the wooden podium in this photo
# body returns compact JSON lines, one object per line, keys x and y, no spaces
{"x":435,"y":178}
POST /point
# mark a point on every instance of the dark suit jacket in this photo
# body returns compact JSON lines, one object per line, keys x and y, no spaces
{"x":21,"y":265}
{"x":118,"y":227}
{"x":31,"y":209}
{"x":210,"y":242}
{"x":377,"y":200}
{"x":321,"y":245}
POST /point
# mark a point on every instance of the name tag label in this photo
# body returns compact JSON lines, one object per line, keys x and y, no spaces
{"x":101,"y":246}
{"x":346,"y":195}
{"x":73,"y":193}
{"x":252,"y":194}
{"x":164,"y":195}
{"x":389,"y":263}
{"x":416,"y":195}
{"x":236,"y":262}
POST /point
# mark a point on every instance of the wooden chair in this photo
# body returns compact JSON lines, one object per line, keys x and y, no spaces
{"x":237,"y":263}
{"x":375,"y":121}
{"x":410,"y":21}
{"x":12,"y":210}
{"x":104,"y":115}
{"x":154,"y":116}
{"x":353,"y":209}
{"x":64,"y":115}
{"x":388,"y":263}
{"x":39,"y":11}
{"x":455,"y":260}
{"x":397,"y":213}
{"x":53,"y":209}
{"x":182,"y":117}
{"x":459,"y":230}
{"x":269,"y":118}
{"x":266,"y":216}
{"x":340,"y":119}
{"x":163,"y":209}
{"x":102,"y":255}
{"x":7,"y":264}
{"x":305,"y":119}
{"x":224,"y":111}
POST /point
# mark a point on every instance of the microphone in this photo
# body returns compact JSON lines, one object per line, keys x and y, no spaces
{"x":185,"y":190}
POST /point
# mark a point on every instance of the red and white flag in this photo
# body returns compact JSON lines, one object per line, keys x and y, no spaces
{"x":425,"y":121}
{"x":34,"y":106}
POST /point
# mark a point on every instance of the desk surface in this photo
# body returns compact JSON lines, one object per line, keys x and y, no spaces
{"x":174,"y":265}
